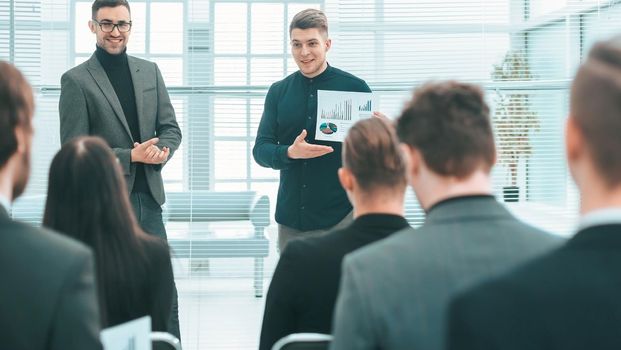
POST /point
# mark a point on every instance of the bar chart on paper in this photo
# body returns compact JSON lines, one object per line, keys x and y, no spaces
{"x":337,"y":111}
{"x":340,"y":111}
{"x":366,"y":107}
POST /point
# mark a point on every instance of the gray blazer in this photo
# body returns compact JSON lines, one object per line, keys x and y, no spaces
{"x":47,"y":295}
{"x":89,"y":106}
{"x":394,"y":294}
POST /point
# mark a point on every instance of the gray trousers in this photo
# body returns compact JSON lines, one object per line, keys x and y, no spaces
{"x":286,"y":233}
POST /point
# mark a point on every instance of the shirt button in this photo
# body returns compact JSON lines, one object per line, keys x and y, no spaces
{"x":309,"y":118}
{"x":312,"y":95}
{"x":311,"y":80}
{"x":304,"y":186}
{"x":302,"y":207}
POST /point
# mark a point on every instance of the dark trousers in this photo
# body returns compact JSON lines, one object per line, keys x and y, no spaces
{"x":149,"y":215}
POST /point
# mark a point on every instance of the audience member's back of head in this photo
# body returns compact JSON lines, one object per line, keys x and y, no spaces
{"x":596,"y":108}
{"x":16,"y":110}
{"x":87,"y":200}
{"x":449,"y":124}
{"x":371,"y":153}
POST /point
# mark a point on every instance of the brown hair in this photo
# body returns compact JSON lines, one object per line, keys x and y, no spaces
{"x":310,"y":18}
{"x":448,"y":122}
{"x":97,"y":4}
{"x":596,"y":107}
{"x":87,"y":200}
{"x":16,"y":108}
{"x":371,"y":152}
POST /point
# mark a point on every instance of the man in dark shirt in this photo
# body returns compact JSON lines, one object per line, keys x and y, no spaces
{"x":310,"y":198}
{"x":303,"y":291}
{"x":123,"y":99}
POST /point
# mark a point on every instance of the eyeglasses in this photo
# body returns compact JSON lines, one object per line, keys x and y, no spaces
{"x":108,"y":27}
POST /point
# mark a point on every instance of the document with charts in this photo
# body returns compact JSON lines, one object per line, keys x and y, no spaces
{"x":337,"y":111}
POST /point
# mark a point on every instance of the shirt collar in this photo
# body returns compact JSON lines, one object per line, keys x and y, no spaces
{"x":605,"y":216}
{"x":380,"y":219}
{"x":458,"y":199}
{"x":110,"y":61}
{"x":319,"y":77}
{"x":5,"y":202}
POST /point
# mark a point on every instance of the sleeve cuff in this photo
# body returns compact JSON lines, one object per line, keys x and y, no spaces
{"x":124,"y":158}
{"x":282,"y":157}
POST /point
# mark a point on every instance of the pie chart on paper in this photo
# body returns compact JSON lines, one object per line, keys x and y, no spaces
{"x":328,"y":128}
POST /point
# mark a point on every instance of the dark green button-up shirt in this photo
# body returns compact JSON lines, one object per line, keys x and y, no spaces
{"x":310,"y":196}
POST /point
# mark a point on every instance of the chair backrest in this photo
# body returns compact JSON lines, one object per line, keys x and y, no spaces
{"x":166,"y":338}
{"x":136,"y":335}
{"x":132,"y":335}
{"x":304,"y":341}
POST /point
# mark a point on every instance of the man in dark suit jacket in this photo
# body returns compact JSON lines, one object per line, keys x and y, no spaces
{"x":303,"y":291}
{"x":569,"y":298}
{"x":394,"y":293}
{"x":47,"y":294}
{"x":123,"y":99}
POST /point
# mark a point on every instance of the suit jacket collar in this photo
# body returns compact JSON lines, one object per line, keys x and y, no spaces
{"x":467,"y":208}
{"x":100,"y":77}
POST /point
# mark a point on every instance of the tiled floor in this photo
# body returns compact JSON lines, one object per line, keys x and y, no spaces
{"x":217,"y":307}
{"x":225,"y":317}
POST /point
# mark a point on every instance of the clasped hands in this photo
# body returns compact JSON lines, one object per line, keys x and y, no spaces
{"x":148,"y":153}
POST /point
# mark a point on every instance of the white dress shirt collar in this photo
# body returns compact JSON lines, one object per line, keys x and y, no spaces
{"x":599,"y":217}
{"x":5,"y":202}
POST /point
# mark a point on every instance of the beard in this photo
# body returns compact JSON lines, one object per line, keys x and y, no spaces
{"x":23,"y":173}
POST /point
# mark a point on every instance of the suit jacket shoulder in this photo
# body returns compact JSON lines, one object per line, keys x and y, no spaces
{"x":566,"y":299}
{"x":419,"y":271}
{"x":47,"y":278}
{"x":43,"y":243}
{"x":346,"y":75}
{"x":78,"y":70}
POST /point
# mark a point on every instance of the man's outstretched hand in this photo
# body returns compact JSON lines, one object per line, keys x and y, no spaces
{"x":300,"y":149}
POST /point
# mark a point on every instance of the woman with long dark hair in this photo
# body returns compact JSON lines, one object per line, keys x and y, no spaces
{"x":87,"y":200}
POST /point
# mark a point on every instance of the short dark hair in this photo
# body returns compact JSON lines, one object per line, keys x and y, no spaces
{"x":310,"y":18}
{"x":97,"y":4}
{"x":596,"y":107}
{"x":449,"y":123}
{"x":371,"y":152}
{"x":16,"y":108}
{"x":87,"y":200}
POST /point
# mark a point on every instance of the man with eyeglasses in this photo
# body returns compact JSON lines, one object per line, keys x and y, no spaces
{"x":124,"y":100}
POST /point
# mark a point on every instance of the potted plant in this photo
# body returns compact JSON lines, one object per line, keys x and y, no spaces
{"x":513,"y":120}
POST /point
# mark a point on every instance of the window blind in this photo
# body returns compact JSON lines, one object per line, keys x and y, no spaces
{"x":218,"y":58}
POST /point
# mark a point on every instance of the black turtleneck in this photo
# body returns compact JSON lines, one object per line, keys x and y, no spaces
{"x":117,"y":70}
